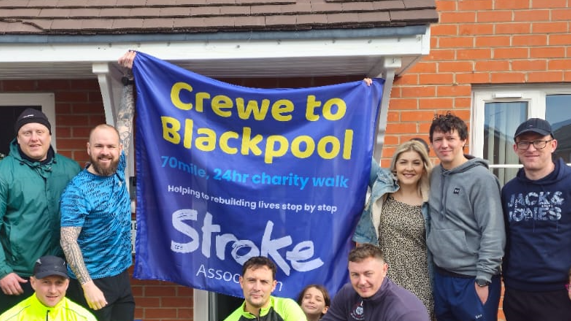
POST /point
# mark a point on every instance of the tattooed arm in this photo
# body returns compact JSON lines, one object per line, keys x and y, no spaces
{"x":94,"y":297}
{"x":127,"y":105}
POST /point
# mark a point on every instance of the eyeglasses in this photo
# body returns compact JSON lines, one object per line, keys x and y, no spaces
{"x":538,"y":144}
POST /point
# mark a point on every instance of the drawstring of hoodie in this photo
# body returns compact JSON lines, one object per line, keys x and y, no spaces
{"x":443,"y":175}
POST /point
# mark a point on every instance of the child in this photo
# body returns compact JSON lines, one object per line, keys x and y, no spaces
{"x":314,"y":301}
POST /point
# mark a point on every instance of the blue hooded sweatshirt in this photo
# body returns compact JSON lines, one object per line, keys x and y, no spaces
{"x":538,"y":226}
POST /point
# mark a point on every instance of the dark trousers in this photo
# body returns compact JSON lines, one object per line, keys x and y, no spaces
{"x":8,"y":301}
{"x":537,"y":306}
{"x":117,"y":290}
{"x":455,"y":299}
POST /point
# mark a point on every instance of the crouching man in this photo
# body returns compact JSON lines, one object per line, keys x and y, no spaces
{"x":371,"y":295}
{"x":258,"y":281}
{"x":50,"y":281}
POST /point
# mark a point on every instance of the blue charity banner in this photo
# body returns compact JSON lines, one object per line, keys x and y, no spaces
{"x":226,"y":172}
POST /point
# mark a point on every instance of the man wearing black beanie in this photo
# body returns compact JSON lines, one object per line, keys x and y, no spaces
{"x":31,"y":115}
{"x":32,"y":178}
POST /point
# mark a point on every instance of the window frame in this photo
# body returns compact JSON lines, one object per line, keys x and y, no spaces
{"x":535,"y":95}
{"x":46,"y":101}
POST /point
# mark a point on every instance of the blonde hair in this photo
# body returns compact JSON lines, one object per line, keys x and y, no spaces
{"x":416,"y":146}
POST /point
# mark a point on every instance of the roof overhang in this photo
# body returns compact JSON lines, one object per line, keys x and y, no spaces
{"x":227,"y":55}
{"x":377,"y":52}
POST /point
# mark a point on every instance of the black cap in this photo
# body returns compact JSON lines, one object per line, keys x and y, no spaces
{"x":534,"y":125}
{"x":50,"y":265}
{"x":31,"y":115}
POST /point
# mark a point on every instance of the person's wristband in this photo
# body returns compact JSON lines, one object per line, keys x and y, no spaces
{"x":127,"y":81}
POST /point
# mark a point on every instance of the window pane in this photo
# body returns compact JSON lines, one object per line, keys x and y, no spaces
{"x":500,"y":123}
{"x":506,"y":174}
{"x":9,"y":116}
{"x":558,"y":114}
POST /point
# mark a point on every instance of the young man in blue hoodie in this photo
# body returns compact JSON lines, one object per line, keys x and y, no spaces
{"x":537,"y":211}
{"x":467,"y":235}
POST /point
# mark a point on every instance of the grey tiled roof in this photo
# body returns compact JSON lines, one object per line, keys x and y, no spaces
{"x":112,"y":17}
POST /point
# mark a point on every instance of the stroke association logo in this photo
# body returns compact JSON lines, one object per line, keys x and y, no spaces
{"x":301,"y":257}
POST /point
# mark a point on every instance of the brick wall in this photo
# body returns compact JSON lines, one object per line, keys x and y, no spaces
{"x":160,"y":300}
{"x":479,"y":42}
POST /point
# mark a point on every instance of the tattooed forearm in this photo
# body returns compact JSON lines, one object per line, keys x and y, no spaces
{"x":125,"y":117}
{"x":73,"y":253}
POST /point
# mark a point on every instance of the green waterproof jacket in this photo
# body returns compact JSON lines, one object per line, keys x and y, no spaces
{"x":29,"y":209}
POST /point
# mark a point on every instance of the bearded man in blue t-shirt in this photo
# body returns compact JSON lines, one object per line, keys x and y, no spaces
{"x":96,"y":219}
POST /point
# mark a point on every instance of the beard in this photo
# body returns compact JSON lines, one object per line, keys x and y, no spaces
{"x":102,"y":169}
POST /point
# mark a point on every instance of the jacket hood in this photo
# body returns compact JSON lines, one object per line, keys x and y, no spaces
{"x":471,"y":163}
{"x":15,"y":152}
{"x":560,"y":172}
{"x":381,"y":292}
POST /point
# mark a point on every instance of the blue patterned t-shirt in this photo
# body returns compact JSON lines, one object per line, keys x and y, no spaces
{"x":101,"y":206}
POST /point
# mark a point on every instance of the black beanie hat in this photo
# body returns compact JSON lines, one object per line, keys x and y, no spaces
{"x":31,"y":115}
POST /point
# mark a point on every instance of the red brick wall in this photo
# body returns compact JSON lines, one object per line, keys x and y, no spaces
{"x":160,"y":300}
{"x":479,"y":42}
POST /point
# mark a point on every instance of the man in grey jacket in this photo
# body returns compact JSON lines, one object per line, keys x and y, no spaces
{"x":467,"y":236}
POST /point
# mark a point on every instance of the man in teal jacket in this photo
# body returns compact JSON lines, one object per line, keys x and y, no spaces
{"x":32,"y":178}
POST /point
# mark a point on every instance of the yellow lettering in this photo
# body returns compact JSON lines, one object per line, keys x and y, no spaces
{"x":206,"y":143}
{"x":310,"y":108}
{"x":171,"y":126}
{"x":246,"y":143}
{"x":348,"y":144}
{"x":224,"y":142}
{"x":220,"y":102}
{"x":188,"y":125}
{"x":199,"y":101}
{"x":271,"y":152}
{"x":175,"y":95}
{"x":250,"y":144}
{"x":309,"y":146}
{"x":341,"y":109}
{"x":322,"y":147}
{"x":280,"y":107}
{"x":252,"y":108}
